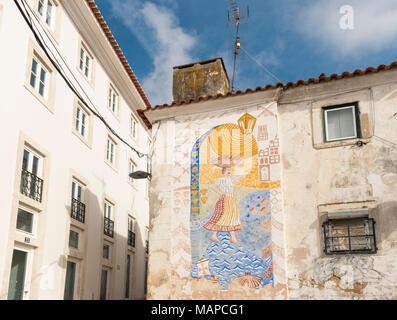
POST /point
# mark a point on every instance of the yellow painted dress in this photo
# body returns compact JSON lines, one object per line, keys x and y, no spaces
{"x":225,"y":217}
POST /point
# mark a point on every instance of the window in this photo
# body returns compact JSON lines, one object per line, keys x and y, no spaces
{"x":111,"y":151}
{"x":113,"y":100}
{"x":106,"y":251}
{"x":78,"y":208}
{"x":77,"y":190}
{"x":108,"y":219}
{"x":131,"y":231}
{"x":31,"y":183}
{"x":344,"y":236}
{"x":133,"y":127}
{"x":39,"y":78}
{"x":104,"y":285}
{"x":85,"y":64}
{"x":73,"y":239}
{"x":25,"y":221}
{"x":69,"y":281}
{"x":46,"y":9}
{"x":81,"y":121}
{"x":341,"y":122}
{"x":128,"y":276}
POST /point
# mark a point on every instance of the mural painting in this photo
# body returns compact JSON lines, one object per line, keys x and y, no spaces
{"x":232,"y":177}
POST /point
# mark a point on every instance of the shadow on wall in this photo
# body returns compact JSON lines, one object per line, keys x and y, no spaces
{"x":385,"y":215}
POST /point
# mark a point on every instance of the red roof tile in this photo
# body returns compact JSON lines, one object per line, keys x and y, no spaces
{"x":320,"y":79}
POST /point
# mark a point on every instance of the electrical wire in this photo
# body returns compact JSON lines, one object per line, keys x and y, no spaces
{"x":55,"y":63}
{"x":260,"y":65}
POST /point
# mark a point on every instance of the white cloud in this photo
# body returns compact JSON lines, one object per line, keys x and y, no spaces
{"x":375,"y":26}
{"x":168,"y":44}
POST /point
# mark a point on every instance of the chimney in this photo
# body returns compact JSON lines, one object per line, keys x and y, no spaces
{"x":203,"y":78}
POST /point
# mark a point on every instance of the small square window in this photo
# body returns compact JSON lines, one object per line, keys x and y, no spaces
{"x":346,"y":236}
{"x":73,"y":239}
{"x":106,"y":251}
{"x":25,"y":221}
{"x":341,"y":122}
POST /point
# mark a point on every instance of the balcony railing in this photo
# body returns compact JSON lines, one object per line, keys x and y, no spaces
{"x":31,"y":185}
{"x":78,"y":210}
{"x":147,"y":247}
{"x":108,"y":227}
{"x":131,"y":238}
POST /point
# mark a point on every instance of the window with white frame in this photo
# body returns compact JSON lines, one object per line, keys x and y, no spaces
{"x":341,"y":122}
{"x":81,"y":121}
{"x":85,"y":62}
{"x":108,"y":210}
{"x":46,"y":9}
{"x":111,"y":151}
{"x":133,"y":127}
{"x":113,"y":100}
{"x":39,"y":77}
{"x":25,"y":220}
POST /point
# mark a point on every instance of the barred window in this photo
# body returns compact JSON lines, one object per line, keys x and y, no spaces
{"x":346,"y":236}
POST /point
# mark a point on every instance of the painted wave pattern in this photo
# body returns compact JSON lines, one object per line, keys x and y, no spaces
{"x":227,"y":260}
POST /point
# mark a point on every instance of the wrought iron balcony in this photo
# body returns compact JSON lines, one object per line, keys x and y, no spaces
{"x":131,"y":238}
{"x":31,"y":185}
{"x":78,"y":210}
{"x":108,"y":227}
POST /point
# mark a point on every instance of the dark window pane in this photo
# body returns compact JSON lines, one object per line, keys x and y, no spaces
{"x":24,"y":221}
{"x":73,"y":239}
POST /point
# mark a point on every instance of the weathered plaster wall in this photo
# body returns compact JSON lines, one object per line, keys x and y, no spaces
{"x":170,"y":243}
{"x":317,"y":178}
{"x":347,"y":177}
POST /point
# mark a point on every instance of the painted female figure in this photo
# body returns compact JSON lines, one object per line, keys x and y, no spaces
{"x":226,"y":216}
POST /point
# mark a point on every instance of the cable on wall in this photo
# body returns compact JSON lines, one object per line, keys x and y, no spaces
{"x":55,"y":63}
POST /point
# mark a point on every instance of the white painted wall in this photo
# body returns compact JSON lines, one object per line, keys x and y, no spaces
{"x":22,"y":114}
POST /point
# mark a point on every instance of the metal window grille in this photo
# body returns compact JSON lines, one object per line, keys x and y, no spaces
{"x":349,"y":236}
{"x":78,"y":210}
{"x":131,"y":238}
{"x":108,"y":227}
{"x":31,"y":185}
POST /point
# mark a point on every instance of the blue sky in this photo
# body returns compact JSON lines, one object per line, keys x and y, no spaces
{"x":294,"y":39}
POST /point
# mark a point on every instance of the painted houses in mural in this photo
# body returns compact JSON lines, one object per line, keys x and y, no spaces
{"x":287,"y":191}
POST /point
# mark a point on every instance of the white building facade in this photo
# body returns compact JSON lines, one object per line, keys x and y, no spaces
{"x":74,"y":225}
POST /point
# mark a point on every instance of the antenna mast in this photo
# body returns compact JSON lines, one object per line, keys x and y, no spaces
{"x":235,"y":18}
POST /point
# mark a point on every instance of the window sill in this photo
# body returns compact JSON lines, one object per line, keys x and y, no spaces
{"x":108,"y":239}
{"x":20,"y":238}
{"x":39,"y":98}
{"x":79,"y":225}
{"x":75,"y":253}
{"x":82,"y":139}
{"x":90,"y":80}
{"x":131,"y":249}
{"x":111,"y":166}
{"x":340,"y":143}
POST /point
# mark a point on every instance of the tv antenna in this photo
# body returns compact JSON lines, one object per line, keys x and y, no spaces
{"x":236,"y":17}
